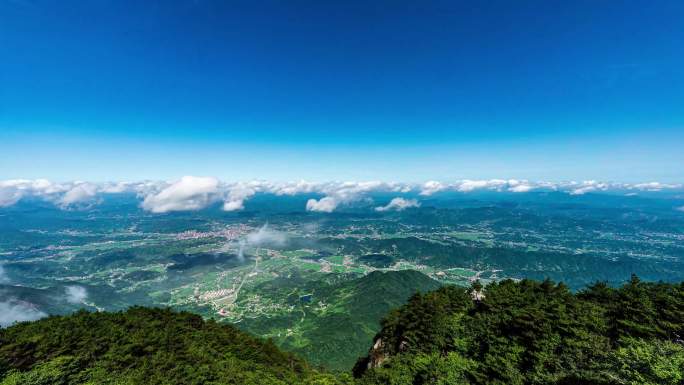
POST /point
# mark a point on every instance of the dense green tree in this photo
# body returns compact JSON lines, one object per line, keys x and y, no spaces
{"x":144,"y":346}
{"x":638,"y":361}
{"x":531,"y":332}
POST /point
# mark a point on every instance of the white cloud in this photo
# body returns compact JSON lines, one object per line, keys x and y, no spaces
{"x":9,"y":195}
{"x":118,"y":188}
{"x":432,"y":187}
{"x":262,"y":237}
{"x":471,"y":185}
{"x":63,"y":195}
{"x":189,"y":193}
{"x":399,"y":204}
{"x":325,"y":205}
{"x":143,"y":189}
{"x":13,"y":310}
{"x":75,"y":294}
{"x":520,"y":186}
{"x":80,"y":193}
{"x":582,"y":190}
{"x":654,"y":186}
{"x":680,"y":208}
{"x":193,"y":193}
{"x":234,"y":205}
{"x":337,"y":193}
{"x":588,"y":186}
{"x":294,"y":188}
{"x":266,"y":237}
{"x":11,"y":191}
{"x":467,"y":185}
{"x":348,"y":191}
{"x":238,"y":194}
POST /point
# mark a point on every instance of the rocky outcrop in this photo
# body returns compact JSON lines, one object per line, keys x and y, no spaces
{"x":376,"y":356}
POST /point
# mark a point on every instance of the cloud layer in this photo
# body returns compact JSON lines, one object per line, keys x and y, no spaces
{"x":196,"y":193}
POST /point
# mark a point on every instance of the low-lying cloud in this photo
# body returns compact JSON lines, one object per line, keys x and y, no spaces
{"x":196,"y":193}
{"x":588,"y":186}
{"x":75,"y":294}
{"x":13,"y":310}
{"x":432,"y":187}
{"x":323,"y":205}
{"x":237,"y":195}
{"x":189,"y":193}
{"x":399,"y":204}
{"x":84,"y":193}
{"x":9,"y":195}
{"x":265,"y":236}
{"x":520,"y":186}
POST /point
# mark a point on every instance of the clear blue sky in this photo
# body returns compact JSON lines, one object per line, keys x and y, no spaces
{"x":125,"y":90}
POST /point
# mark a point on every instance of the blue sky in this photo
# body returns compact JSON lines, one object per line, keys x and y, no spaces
{"x":410,"y":91}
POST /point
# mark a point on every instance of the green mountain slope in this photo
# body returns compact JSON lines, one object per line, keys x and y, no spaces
{"x":532,"y":332}
{"x":337,"y":333}
{"x":513,"y":333}
{"x":143,"y":346}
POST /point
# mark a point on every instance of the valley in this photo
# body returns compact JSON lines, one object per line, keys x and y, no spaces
{"x":318,"y":284}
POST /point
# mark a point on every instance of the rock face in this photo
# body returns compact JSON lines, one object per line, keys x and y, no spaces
{"x":477,"y":295}
{"x":376,"y":356}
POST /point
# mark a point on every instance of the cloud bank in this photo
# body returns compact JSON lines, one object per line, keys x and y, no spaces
{"x":196,"y":193}
{"x":237,"y":195}
{"x":13,"y":310}
{"x":189,"y":193}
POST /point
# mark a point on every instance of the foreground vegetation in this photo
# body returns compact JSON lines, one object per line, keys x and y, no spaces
{"x":525,"y":332}
{"x":533,"y":333}
{"x":143,"y":346}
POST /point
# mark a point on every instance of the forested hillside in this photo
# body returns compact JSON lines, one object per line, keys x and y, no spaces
{"x":509,"y":332}
{"x":143,"y":346}
{"x":532,"y":333}
{"x":336,"y":337}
